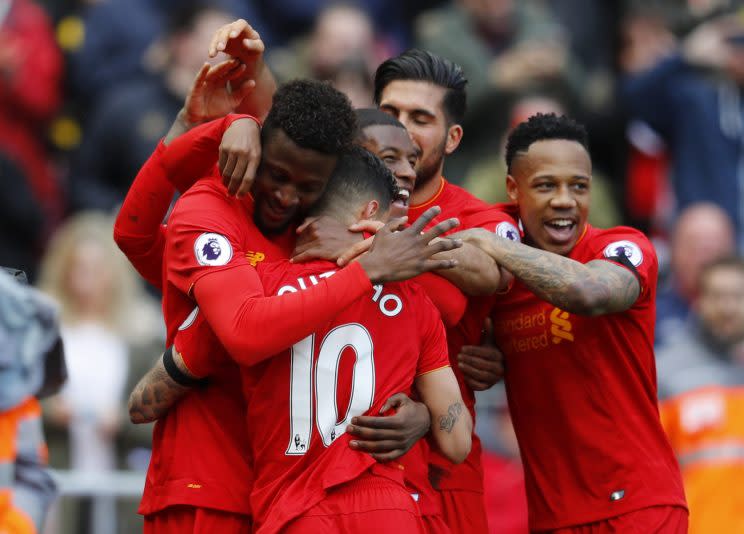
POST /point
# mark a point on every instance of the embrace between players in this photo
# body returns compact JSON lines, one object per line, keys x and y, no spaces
{"x":285,"y":402}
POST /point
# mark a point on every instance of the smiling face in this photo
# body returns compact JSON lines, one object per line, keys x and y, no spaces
{"x":394,"y":147}
{"x":288,"y":182}
{"x":551,"y":184}
{"x":419,"y":106}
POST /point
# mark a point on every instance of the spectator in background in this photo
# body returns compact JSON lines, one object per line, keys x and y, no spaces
{"x":30,"y":75}
{"x":503,"y":476}
{"x":342,"y":48}
{"x":506,"y":48}
{"x":118,"y":34}
{"x":693,"y":99}
{"x":127,"y":124}
{"x":701,"y":374}
{"x":702,"y":234}
{"x":31,"y":365}
{"x":100,"y":315}
{"x":487,"y":178}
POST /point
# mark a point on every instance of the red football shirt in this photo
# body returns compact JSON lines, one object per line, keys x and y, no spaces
{"x":303,"y":398}
{"x":199,"y":446}
{"x":582,"y":394}
{"x":472,"y":213}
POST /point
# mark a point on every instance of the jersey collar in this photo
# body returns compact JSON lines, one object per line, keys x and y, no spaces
{"x":442,"y":183}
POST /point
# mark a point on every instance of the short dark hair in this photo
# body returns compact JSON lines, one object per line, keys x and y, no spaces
{"x":421,"y":65}
{"x":357,"y":173}
{"x":541,"y":127}
{"x":314,"y":115}
{"x":367,"y":117}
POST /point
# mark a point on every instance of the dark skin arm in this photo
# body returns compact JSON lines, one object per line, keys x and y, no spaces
{"x":595,"y":288}
{"x":476,"y":272}
{"x":482,"y":365}
{"x":390,"y":437}
{"x":157,"y":392}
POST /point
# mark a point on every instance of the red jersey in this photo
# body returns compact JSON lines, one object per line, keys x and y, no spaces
{"x":303,"y":398}
{"x":472,"y":213}
{"x":199,"y":446}
{"x":582,"y":395}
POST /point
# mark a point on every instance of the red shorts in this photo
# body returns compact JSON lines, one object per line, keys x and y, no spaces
{"x":464,"y":511}
{"x":652,"y":520}
{"x":190,"y":519}
{"x":368,"y":505}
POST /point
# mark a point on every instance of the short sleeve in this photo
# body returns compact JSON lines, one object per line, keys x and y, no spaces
{"x":632,"y":250}
{"x":198,"y":346}
{"x":493,"y":219}
{"x":203,"y":236}
{"x":434,"y":353}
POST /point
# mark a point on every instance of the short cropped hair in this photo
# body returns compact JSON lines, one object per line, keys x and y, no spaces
{"x":358,"y":174}
{"x":541,"y":127}
{"x":421,"y":65}
{"x":367,"y":117}
{"x":314,"y":115}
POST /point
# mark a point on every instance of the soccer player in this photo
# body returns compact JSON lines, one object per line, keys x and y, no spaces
{"x":427,"y":94}
{"x":308,"y":479}
{"x":576,"y":329}
{"x":179,"y":475}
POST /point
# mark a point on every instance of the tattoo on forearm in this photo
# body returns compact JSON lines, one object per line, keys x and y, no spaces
{"x":447,"y":422}
{"x":566,"y":283}
{"x":154,"y":395}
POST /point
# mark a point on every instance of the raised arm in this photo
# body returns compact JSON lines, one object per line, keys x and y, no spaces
{"x":241,"y":41}
{"x":595,"y":288}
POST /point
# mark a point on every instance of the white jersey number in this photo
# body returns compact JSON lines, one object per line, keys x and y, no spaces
{"x":353,"y":336}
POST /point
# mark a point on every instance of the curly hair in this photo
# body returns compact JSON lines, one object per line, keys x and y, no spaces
{"x":359,"y":174}
{"x":313,"y":115}
{"x":421,"y":65}
{"x":540,"y":127}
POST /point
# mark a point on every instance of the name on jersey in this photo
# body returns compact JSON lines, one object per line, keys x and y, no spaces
{"x":533,"y":331}
{"x":389,"y":303}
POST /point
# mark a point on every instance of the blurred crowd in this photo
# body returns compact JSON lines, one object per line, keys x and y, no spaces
{"x":88,"y":87}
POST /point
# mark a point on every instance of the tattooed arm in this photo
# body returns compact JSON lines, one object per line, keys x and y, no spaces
{"x":157,"y":392}
{"x":594,"y":288}
{"x":451,"y":424}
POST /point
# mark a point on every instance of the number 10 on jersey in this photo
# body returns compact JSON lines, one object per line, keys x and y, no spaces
{"x":323,"y":382}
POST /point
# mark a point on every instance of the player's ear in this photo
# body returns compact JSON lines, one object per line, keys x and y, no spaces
{"x":454,"y":136}
{"x":511,"y":187}
{"x":370,"y":210}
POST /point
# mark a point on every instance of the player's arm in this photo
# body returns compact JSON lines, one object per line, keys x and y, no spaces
{"x":451,"y":424}
{"x":162,"y":386}
{"x":239,"y":40}
{"x":476,"y":272}
{"x":482,"y":365}
{"x":388,"y":437}
{"x":253,"y":327}
{"x":594,"y":288}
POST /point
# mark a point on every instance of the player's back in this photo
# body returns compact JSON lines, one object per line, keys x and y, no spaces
{"x":302,"y":400}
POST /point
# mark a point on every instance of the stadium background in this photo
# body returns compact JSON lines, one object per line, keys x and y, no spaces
{"x":88,"y":87}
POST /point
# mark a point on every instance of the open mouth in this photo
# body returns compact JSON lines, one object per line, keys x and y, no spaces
{"x":403,"y":198}
{"x":560,"y":229}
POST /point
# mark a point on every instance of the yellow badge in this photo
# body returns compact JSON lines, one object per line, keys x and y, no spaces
{"x":561,"y":326}
{"x":255,"y":257}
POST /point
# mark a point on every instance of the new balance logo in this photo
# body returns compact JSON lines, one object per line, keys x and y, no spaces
{"x":255,"y":257}
{"x":560,"y":327}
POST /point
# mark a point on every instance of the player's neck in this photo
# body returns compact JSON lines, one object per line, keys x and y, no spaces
{"x":427,"y":190}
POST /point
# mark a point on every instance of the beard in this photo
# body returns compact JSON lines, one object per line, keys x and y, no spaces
{"x":431,"y":168}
